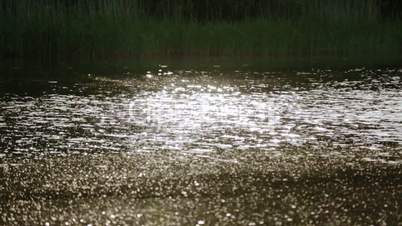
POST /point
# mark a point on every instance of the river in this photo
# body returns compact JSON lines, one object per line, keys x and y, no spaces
{"x":191,"y":146}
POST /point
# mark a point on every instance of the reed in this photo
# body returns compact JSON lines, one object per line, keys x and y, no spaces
{"x":70,"y":29}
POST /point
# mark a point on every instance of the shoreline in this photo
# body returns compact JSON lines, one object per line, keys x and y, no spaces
{"x":139,"y":65}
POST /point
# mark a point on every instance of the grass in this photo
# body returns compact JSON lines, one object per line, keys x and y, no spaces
{"x":97,"y":29}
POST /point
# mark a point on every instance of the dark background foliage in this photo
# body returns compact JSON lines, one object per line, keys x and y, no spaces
{"x":209,"y":10}
{"x":31,"y":28}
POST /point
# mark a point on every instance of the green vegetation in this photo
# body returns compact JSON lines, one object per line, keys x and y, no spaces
{"x":94,"y":29}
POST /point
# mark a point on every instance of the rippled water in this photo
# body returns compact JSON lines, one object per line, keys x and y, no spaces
{"x":202,"y":111}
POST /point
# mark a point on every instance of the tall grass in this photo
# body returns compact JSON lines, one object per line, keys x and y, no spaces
{"x":70,"y":29}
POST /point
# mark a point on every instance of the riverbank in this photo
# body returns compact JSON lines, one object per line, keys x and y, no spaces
{"x":134,"y":66}
{"x":64,"y":33}
{"x":100,"y":38}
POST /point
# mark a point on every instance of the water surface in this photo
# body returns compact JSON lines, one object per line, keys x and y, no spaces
{"x":194,"y":147}
{"x":202,"y":112}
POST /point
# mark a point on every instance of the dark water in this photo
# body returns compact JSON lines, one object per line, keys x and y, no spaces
{"x":176,"y":123}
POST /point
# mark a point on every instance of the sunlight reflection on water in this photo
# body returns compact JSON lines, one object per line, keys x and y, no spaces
{"x":200,"y":112}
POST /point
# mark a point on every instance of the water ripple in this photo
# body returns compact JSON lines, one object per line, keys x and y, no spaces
{"x":202,"y":112}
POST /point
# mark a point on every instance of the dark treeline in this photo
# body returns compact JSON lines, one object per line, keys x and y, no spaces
{"x":391,"y":8}
{"x":98,"y":28}
{"x":207,"y":10}
{"x":210,"y":10}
